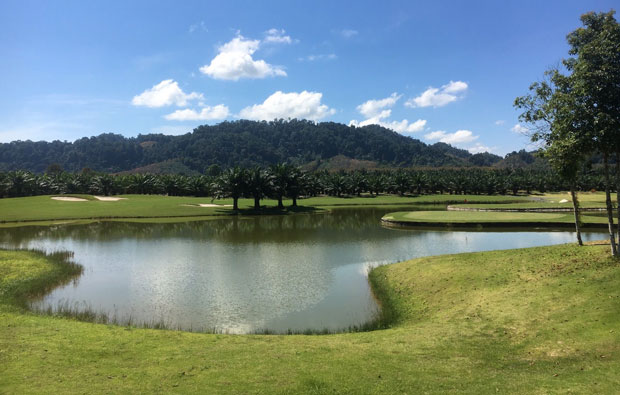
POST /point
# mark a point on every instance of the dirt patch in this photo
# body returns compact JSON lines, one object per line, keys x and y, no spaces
{"x":69,"y":199}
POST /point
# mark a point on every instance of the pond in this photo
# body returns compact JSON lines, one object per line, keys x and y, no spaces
{"x":250,"y":274}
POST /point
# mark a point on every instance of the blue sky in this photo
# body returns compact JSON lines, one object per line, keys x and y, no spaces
{"x":436,"y":71}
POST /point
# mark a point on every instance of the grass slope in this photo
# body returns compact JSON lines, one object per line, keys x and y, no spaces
{"x":538,"y":320}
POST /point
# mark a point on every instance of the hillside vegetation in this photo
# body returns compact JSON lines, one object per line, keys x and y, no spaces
{"x":240,"y":143}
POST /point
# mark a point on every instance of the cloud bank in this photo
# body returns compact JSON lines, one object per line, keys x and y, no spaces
{"x":280,"y":105}
{"x":166,"y":93}
{"x":207,"y":113}
{"x":235,"y":60}
{"x":378,"y":111}
{"x":439,"y":97}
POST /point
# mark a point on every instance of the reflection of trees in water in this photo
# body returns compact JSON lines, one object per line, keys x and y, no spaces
{"x":339,"y":225}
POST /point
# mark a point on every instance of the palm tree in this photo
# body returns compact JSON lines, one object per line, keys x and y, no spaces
{"x":259,"y":184}
{"x":143,"y":183}
{"x":21,"y":183}
{"x":280,"y":174}
{"x":401,"y":182}
{"x":102,"y":184}
{"x":297,"y":183}
{"x":198,"y":185}
{"x":231,"y":183}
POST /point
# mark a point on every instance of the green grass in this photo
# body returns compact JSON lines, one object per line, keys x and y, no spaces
{"x":538,"y":320}
{"x":547,"y":201}
{"x":490,"y":218}
{"x":42,"y":210}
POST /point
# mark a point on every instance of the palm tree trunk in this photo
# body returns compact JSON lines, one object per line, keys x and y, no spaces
{"x":618,"y":191}
{"x":573,"y":195}
{"x":610,"y":209}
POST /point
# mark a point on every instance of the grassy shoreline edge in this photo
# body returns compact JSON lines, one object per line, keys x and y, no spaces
{"x":548,"y":314}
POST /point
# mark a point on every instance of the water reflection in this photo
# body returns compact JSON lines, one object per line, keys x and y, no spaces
{"x":241,"y":275}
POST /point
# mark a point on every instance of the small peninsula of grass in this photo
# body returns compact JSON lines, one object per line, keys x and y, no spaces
{"x":490,"y":219}
{"x":536,"y":320}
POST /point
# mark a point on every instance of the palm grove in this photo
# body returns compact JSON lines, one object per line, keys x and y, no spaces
{"x":575,"y":110}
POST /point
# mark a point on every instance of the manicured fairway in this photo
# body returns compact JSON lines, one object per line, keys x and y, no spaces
{"x":539,"y":320}
{"x":545,"y":201}
{"x":46,"y":210}
{"x":473,"y":218}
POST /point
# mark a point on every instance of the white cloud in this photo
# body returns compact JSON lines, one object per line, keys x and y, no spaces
{"x":518,"y":128}
{"x":374,"y":108}
{"x":439,"y":97}
{"x":302,"y":105}
{"x":312,"y":58}
{"x":277,"y":36}
{"x":500,"y":122}
{"x":458,"y":137}
{"x":403,"y":126}
{"x":479,"y":148}
{"x":348,"y":33}
{"x":207,"y":113}
{"x":165,"y":93}
{"x":173,"y":130}
{"x":377,"y":112}
{"x":234,"y":61}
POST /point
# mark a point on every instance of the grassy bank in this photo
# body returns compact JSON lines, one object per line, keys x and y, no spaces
{"x":535,"y":320}
{"x":490,"y":219}
{"x":44,"y":210}
{"x":593,"y":200}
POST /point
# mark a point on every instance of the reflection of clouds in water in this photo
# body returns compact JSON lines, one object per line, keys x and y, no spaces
{"x":218,"y":287}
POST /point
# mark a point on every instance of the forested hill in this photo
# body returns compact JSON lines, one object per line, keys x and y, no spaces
{"x":243,"y":143}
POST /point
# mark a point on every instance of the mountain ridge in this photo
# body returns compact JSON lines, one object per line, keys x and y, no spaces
{"x":239,"y":143}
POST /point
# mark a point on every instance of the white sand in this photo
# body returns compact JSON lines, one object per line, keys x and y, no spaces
{"x":563,"y":201}
{"x":109,"y":198}
{"x":69,"y":199}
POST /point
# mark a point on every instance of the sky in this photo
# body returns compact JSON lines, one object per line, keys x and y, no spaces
{"x":444,"y":71}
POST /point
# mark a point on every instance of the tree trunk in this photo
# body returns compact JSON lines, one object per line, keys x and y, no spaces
{"x":235,"y":203}
{"x":610,"y":209}
{"x":294,"y":201}
{"x":573,"y":195}
{"x":280,"y":205}
{"x":618,"y":191}
{"x":256,"y":203}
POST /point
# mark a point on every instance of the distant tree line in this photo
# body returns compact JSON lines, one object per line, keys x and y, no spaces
{"x":239,"y":143}
{"x":287,"y":181}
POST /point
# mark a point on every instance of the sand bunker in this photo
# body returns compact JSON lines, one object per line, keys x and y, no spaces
{"x":563,"y":201}
{"x":109,"y":198}
{"x":69,"y":199}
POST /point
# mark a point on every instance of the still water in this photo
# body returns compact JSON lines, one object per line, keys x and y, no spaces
{"x":243,"y":275}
